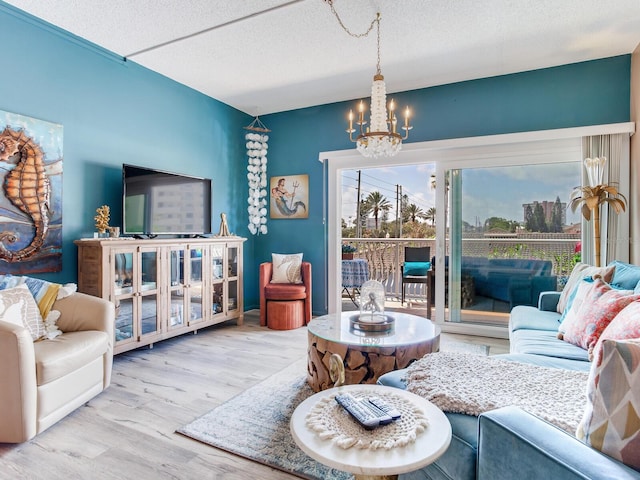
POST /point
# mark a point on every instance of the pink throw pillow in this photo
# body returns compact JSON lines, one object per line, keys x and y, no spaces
{"x":626,"y":325}
{"x":597,"y":311}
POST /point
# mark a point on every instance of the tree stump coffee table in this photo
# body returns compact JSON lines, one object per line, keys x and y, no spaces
{"x":368,"y":355}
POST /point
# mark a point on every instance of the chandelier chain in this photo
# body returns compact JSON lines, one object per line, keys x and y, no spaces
{"x":375,"y":21}
{"x":344,"y":27}
{"x":380,"y":137}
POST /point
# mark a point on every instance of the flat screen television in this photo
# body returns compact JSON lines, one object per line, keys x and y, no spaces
{"x":155,"y":202}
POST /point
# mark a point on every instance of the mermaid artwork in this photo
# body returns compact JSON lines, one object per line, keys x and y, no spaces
{"x":284,"y":200}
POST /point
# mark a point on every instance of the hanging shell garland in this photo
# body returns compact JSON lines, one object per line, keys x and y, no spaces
{"x":257,"y":177}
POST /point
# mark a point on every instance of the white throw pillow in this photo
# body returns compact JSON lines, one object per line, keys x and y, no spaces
{"x":17,"y":306}
{"x":286,"y":268}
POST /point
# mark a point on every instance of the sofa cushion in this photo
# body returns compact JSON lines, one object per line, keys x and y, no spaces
{"x":624,"y":326}
{"x":611,"y":422}
{"x":286,"y":268}
{"x":530,"y":318}
{"x":543,"y":342}
{"x":596,"y":312}
{"x":580,"y":271}
{"x":45,"y":293}
{"x":285,"y":291}
{"x":17,"y":306}
{"x":67,"y":353}
{"x":416,"y":268}
{"x":570,"y":314}
{"x":625,"y":276}
{"x":544,"y":361}
{"x":459,"y":460}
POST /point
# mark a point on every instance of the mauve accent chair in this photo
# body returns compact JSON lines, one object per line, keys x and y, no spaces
{"x":285,"y":306}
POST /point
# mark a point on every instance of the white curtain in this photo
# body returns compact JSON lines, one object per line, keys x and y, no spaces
{"x":614,"y":228}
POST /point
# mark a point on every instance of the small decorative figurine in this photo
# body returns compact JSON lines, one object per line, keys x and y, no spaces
{"x":102,"y":218}
{"x":372,"y":297}
{"x":224,"y":227}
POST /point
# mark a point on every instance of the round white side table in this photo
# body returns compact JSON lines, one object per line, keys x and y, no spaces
{"x":374,"y":464}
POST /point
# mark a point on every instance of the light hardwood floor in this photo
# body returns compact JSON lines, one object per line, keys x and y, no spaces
{"x":128,"y":431}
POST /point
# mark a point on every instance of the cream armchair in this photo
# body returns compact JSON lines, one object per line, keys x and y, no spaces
{"x":44,"y":381}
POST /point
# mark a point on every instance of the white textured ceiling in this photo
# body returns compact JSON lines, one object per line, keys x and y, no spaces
{"x":265,"y":56}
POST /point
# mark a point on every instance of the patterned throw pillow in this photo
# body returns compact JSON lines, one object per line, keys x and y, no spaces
{"x":580,"y":271}
{"x":17,"y":306}
{"x":611,"y":421}
{"x":570,"y":315}
{"x":45,"y":293}
{"x":597,"y":311}
{"x":624,"y":326}
{"x":286,"y":268}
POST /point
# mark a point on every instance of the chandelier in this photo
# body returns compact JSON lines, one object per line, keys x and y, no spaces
{"x":381,"y":137}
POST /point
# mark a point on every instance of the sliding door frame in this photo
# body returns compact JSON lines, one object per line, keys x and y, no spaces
{"x":546,"y":146}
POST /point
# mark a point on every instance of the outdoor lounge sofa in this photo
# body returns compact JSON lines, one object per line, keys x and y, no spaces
{"x":516,"y":281}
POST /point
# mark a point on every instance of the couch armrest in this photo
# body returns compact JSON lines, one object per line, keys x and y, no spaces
{"x":548,"y":301}
{"x":81,"y":312}
{"x":18,"y":395}
{"x":515,"y":444}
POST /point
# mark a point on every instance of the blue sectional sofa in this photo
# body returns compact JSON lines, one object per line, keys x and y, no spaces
{"x":509,"y":443}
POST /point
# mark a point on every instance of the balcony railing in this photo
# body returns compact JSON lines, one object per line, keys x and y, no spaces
{"x":385,"y":255}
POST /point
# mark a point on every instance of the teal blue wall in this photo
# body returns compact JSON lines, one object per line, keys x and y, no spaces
{"x":116,"y":112}
{"x":589,"y":93}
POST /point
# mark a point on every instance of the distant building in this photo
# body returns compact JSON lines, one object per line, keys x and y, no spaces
{"x":547,"y":208}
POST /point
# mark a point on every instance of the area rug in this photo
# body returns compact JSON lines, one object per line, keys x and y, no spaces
{"x":255,"y":423}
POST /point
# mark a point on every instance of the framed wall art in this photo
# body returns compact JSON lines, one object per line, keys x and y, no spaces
{"x":289,"y":196}
{"x":31,"y":200}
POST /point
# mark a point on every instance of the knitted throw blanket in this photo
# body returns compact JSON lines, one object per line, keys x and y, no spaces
{"x":473,"y":384}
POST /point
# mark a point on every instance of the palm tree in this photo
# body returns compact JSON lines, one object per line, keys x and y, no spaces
{"x":431,"y":215}
{"x":591,"y":198}
{"x":376,"y":203}
{"x":414,"y":212}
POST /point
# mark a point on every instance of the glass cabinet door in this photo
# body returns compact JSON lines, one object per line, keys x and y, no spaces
{"x":232,"y":296}
{"x":194,"y":290}
{"x":148,"y":292}
{"x":217,"y":263}
{"x":176,"y":289}
{"x":122,"y":262}
{"x":218,"y":273}
{"x":232,"y":259}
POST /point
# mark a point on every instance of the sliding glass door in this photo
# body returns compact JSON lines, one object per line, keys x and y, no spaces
{"x":509,"y":236}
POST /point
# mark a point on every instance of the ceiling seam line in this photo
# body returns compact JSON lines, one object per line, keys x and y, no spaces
{"x":210,"y":29}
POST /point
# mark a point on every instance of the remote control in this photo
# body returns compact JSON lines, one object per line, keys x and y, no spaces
{"x":382,"y":416}
{"x":385,"y":407}
{"x":363,"y":415}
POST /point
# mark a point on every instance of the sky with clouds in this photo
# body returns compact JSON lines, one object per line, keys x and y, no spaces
{"x":487,"y":192}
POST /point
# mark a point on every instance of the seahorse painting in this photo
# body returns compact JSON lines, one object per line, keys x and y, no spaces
{"x":28,"y":188}
{"x":30,"y":195}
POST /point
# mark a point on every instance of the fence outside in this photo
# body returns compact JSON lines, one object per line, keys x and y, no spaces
{"x":385,"y":255}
